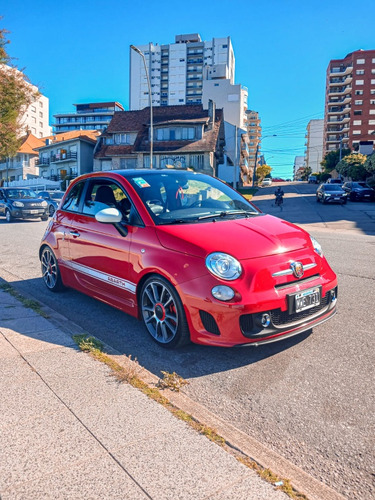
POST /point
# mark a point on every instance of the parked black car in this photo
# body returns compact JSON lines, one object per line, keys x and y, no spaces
{"x":331,"y":193}
{"x":359,"y":191}
{"x":22,"y":203}
{"x":53,"y":199}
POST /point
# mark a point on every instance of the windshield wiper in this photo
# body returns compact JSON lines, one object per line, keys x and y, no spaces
{"x":174,"y":221}
{"x":228,"y":213}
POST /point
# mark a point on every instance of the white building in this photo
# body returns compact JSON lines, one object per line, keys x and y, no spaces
{"x":314,"y":145}
{"x":177,"y":70}
{"x":35,"y":119}
{"x":299,"y":166}
{"x":231,"y":98}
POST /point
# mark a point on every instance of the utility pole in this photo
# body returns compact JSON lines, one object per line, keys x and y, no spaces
{"x":235,"y":159}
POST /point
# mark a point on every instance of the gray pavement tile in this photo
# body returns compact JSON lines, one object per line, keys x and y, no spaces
{"x":14,"y":311}
{"x":34,"y":324}
{"x":6,"y":349}
{"x":7,"y":298}
{"x":42,"y":445}
{"x":21,"y":402}
{"x":39,"y":340}
{"x":250,"y":488}
{"x":183,"y":465}
{"x":61,"y":361}
{"x":94,"y":480}
{"x":15,"y":370}
{"x":116,"y":413}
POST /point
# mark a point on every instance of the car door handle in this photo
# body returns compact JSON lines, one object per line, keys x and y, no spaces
{"x":75,"y":234}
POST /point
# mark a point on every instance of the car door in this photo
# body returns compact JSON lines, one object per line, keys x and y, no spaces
{"x":2,"y":202}
{"x":99,"y":252}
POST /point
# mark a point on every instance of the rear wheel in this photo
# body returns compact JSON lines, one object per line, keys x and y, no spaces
{"x":163,"y":313}
{"x":50,"y":271}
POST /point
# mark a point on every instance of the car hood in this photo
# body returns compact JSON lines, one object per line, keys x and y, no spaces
{"x":259,"y":236}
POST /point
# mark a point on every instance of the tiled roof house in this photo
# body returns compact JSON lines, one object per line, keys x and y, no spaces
{"x":184,"y":137}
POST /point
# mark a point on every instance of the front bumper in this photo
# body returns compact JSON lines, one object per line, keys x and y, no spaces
{"x":24,"y":213}
{"x":239,"y":322}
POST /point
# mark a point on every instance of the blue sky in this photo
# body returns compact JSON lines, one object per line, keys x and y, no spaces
{"x":78,"y":51}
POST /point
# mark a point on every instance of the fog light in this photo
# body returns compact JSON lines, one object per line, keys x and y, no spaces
{"x":266,"y":320}
{"x":333,"y":296}
{"x":222,"y":292}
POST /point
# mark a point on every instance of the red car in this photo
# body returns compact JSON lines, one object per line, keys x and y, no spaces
{"x":189,"y":256}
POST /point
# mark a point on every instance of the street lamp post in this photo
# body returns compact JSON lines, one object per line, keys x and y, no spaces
{"x":256,"y":157}
{"x":133,"y":47}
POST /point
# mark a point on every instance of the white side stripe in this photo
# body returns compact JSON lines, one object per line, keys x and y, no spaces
{"x":106,"y":278}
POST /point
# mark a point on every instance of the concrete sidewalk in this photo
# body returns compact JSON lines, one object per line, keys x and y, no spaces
{"x":68,"y":430}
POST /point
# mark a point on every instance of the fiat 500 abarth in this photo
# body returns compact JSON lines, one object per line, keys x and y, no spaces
{"x":189,"y":256}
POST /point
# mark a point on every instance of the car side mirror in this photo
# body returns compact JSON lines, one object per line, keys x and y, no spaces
{"x":112,"y":216}
{"x":109,"y":216}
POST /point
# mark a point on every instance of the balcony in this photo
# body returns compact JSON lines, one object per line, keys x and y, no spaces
{"x":343,"y":71}
{"x":39,"y":162}
{"x":58,"y":158}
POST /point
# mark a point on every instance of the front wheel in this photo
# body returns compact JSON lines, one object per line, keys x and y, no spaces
{"x":163,"y":313}
{"x":51,"y":210}
{"x":8,"y":215}
{"x":50,"y":271}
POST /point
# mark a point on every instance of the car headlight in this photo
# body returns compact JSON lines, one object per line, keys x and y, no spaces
{"x":223,"y":266}
{"x":44,"y":203}
{"x":318,"y":249}
{"x":18,"y":204}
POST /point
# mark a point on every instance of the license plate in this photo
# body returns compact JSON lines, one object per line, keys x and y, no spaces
{"x":367,"y":196}
{"x":32,"y":211}
{"x":336,"y":198}
{"x":306,"y":299}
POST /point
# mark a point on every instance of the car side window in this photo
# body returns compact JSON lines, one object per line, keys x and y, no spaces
{"x":100,"y":195}
{"x":71,"y":202}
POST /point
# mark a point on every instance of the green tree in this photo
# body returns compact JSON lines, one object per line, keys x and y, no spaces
{"x":332,"y":158}
{"x":353,"y":166}
{"x":263,"y":171}
{"x":370,"y":164}
{"x":16,"y":94}
{"x":306,"y":173}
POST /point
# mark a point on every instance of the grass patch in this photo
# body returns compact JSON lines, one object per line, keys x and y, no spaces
{"x":173,"y":381}
{"x":29,"y":303}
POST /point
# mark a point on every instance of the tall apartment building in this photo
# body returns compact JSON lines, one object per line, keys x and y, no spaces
{"x":231,"y":98}
{"x":89,"y":116}
{"x":314,"y":145}
{"x":177,"y":70}
{"x":254,"y":131}
{"x":350,"y":101}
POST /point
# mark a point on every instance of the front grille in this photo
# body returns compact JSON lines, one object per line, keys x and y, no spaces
{"x":297,"y":282}
{"x":280,"y":318}
{"x":209,"y":322}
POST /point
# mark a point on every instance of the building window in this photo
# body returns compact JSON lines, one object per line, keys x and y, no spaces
{"x":373,"y":60}
{"x":372,"y":91}
{"x":359,"y":92}
{"x":358,"y":112}
{"x":371,"y":122}
{"x":373,"y":71}
{"x":176,"y":134}
{"x":372,"y":101}
{"x":359,"y":82}
{"x":358,"y":101}
{"x":360,"y":61}
{"x":356,"y":132}
{"x":40,"y":114}
{"x":372,"y":111}
{"x":360,"y":72}
{"x":357,"y":122}
{"x":127,"y":163}
{"x":33,"y":109}
{"x":370,"y":131}
{"x":41,"y":124}
{"x":40,"y":104}
{"x":372,"y":82}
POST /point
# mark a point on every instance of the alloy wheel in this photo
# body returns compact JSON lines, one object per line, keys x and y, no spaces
{"x":49,"y":269}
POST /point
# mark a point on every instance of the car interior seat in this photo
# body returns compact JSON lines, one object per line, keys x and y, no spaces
{"x":105,"y":195}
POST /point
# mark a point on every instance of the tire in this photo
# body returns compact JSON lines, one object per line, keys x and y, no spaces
{"x":51,"y":210}
{"x":44,"y":218}
{"x":50,"y":271}
{"x":317,"y":199}
{"x":163,"y":314}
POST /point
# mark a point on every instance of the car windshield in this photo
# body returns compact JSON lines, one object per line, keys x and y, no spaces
{"x":333,"y":187}
{"x":360,"y":185}
{"x":176,"y":197}
{"x":14,"y":194}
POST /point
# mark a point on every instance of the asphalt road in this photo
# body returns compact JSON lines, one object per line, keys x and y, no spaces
{"x":310,"y":398}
